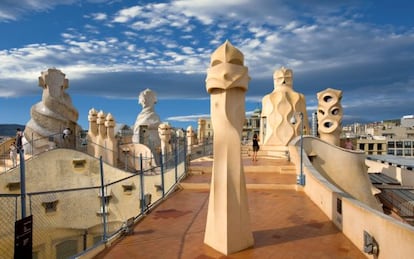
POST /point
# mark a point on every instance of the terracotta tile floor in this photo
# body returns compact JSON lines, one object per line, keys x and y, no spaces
{"x":284,"y":223}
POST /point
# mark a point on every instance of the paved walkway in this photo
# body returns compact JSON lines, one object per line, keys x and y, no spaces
{"x":285,"y":222}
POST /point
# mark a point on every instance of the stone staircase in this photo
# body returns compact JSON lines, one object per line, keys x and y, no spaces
{"x":269,"y":152}
{"x":274,"y":173}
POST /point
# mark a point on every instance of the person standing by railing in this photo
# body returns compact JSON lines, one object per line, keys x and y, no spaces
{"x":66,"y":133}
{"x":349,"y":144}
{"x":66,"y":136}
{"x":13,"y":154}
{"x":19,"y":140}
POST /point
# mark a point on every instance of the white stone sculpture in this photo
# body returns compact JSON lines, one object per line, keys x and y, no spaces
{"x":201,"y":131}
{"x":52,"y":115}
{"x":93,"y":131}
{"x":278,"y":107}
{"x":146,"y":124}
{"x":130,"y":154}
{"x":164,"y":131}
{"x":101,"y":136}
{"x":330,"y":115}
{"x":190,"y":139}
{"x":179,"y":133}
{"x":228,"y":220}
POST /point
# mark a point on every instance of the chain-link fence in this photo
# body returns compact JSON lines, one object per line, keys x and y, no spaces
{"x":67,"y":222}
{"x":8,"y":215}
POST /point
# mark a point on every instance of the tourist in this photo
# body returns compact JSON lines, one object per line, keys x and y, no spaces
{"x":13,"y":154}
{"x":348,"y":144}
{"x":66,"y":133}
{"x":255,"y":147}
{"x":19,"y":140}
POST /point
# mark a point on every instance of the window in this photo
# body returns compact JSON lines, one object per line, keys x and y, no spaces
{"x":339,"y":206}
{"x":390,"y":152}
{"x":399,"y":152}
{"x":391,"y":144}
{"x":407,"y":144}
{"x":128,"y":187}
{"x":50,"y":206}
{"x":371,"y":146}
{"x":78,"y":163}
{"x":407,"y":152}
{"x":13,"y":186}
{"x":361,"y":146}
{"x":379,"y":146}
{"x":399,"y":144}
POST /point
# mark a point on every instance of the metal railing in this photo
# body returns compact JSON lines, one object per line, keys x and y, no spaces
{"x":102,"y":210}
{"x":400,"y":201}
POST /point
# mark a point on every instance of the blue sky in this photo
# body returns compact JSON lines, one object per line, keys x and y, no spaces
{"x":112,"y":50}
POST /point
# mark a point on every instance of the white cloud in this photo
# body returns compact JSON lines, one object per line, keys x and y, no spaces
{"x":131,"y":47}
{"x":12,"y":10}
{"x":99,"y":16}
{"x":67,"y":35}
{"x":6,"y":16}
{"x":130,"y":34}
{"x":291,"y":25}
{"x":127,"y":14}
{"x":188,"y":118}
{"x":322,"y":43}
{"x":188,"y":50}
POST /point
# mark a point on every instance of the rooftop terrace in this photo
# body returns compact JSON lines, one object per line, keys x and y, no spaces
{"x":284,"y":221}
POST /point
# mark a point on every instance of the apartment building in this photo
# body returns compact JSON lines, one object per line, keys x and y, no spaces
{"x":390,"y":137}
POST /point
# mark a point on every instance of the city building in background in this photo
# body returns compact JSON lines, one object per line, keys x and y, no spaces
{"x":389,"y":137}
{"x":252,"y":125}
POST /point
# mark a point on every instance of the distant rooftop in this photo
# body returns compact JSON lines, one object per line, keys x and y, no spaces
{"x":394,"y":160}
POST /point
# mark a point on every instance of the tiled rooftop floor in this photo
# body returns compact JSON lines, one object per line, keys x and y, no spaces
{"x":285,"y":224}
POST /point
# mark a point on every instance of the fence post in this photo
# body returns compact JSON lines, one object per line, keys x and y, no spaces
{"x":4,"y":158}
{"x":32,"y":144}
{"x":135,"y":156}
{"x":162,"y":175}
{"x":141,"y":176}
{"x":185,"y":152}
{"x":22,"y":183}
{"x":176,"y":159}
{"x":126,"y":153}
{"x":103,"y":198}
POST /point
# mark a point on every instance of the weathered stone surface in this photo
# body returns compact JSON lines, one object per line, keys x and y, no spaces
{"x":53,"y":114}
{"x":147,"y":122}
{"x":330,"y":114}
{"x":278,"y":107}
{"x":228,"y":220}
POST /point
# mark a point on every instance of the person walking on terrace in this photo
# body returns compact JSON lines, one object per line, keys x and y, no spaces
{"x":255,"y":147}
